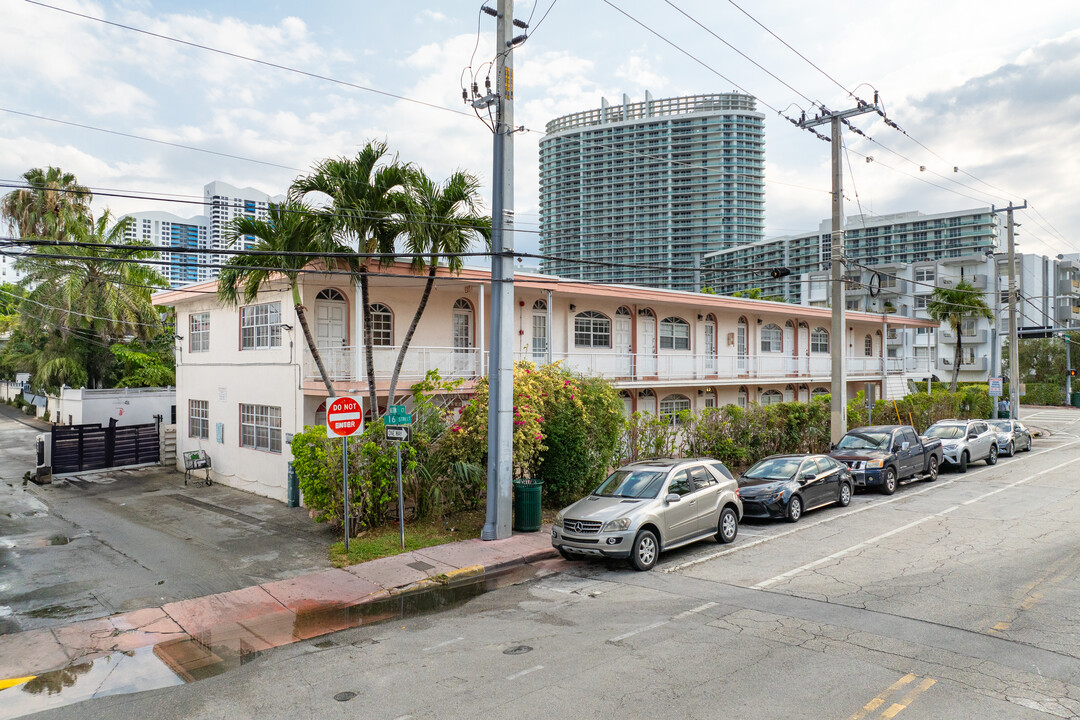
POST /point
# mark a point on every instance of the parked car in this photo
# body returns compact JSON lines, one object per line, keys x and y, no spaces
{"x":645,"y":508}
{"x":786,"y":486}
{"x":1012,"y":435}
{"x":883,"y":456}
{"x":965,"y":441}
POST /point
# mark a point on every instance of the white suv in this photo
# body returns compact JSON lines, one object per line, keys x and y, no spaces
{"x":965,"y":441}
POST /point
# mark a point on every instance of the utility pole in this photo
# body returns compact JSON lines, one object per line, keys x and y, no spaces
{"x":1014,"y":350}
{"x":838,"y":346}
{"x":501,"y":355}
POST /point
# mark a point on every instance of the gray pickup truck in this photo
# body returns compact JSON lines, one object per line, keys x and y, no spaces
{"x":883,"y":456}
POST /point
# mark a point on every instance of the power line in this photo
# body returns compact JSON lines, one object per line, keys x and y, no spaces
{"x":789,"y":47}
{"x":237,"y":56}
{"x":27,"y":298}
{"x":741,"y":53}
{"x":147,"y":139}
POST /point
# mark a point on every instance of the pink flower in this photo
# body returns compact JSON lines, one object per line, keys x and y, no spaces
{"x":539,"y":438}
{"x":566,"y":383}
{"x":571,"y":397}
{"x":456,"y":428}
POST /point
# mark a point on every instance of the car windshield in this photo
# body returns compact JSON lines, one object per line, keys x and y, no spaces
{"x":632,"y":484}
{"x":781,"y":468}
{"x":1003,"y":425}
{"x":946,"y":432}
{"x":864,"y":440}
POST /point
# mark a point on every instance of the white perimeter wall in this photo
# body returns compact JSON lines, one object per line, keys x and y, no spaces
{"x":135,"y":406}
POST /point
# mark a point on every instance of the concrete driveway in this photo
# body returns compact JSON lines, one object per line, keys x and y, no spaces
{"x":106,"y":542}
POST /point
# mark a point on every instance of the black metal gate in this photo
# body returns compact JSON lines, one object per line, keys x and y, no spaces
{"x":76,"y":448}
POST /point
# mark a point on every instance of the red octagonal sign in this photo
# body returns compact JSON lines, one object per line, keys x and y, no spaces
{"x":344,"y":417}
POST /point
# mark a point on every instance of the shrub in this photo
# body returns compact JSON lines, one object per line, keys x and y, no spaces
{"x":46,"y":416}
{"x":1041,"y":394}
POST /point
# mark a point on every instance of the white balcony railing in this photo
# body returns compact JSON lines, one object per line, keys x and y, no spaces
{"x":467,"y":363}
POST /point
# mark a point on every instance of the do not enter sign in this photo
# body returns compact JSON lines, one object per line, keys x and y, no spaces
{"x":344,"y":417}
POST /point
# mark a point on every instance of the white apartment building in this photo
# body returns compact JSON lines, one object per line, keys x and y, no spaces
{"x":1048,"y":292}
{"x":162,"y":228}
{"x":246,"y":381}
{"x":199,"y":233}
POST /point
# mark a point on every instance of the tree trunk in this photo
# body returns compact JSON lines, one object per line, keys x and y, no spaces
{"x":434,"y":266}
{"x":956,"y":358}
{"x":301,"y":317}
{"x":369,"y":352}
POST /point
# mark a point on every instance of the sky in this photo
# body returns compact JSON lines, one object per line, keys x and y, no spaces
{"x":986,"y":86}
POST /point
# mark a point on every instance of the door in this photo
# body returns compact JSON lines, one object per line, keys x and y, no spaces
{"x":539,"y":342}
{"x":647,"y":356}
{"x":813,"y":490}
{"x":741,"y":347}
{"x":911,"y":462}
{"x":622,"y":345}
{"x":830,"y":471}
{"x":679,"y":517}
{"x":710,"y":347}
{"x":331,"y":336}
{"x":984,"y":441}
{"x":789,"y":348}
{"x":707,"y":499}
{"x":463,"y":340}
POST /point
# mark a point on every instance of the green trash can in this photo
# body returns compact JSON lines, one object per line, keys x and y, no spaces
{"x":1076,"y":399}
{"x":527,"y":515}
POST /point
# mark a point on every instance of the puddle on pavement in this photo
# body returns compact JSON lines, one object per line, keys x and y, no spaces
{"x":224,"y":648}
{"x":58,"y":612}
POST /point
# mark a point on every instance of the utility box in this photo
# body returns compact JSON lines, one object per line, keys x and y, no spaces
{"x":43,"y":472}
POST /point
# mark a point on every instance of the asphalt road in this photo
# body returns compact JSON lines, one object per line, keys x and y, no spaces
{"x":100,"y":543}
{"x":952,"y":599}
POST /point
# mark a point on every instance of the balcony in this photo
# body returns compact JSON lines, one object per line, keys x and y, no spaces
{"x":467,"y":364}
{"x":948,"y":337}
{"x":980,"y":364}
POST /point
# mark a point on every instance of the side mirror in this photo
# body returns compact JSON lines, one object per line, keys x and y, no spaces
{"x":972,"y":435}
{"x":672,"y":497}
{"x":832,"y":446}
{"x":808,"y":476}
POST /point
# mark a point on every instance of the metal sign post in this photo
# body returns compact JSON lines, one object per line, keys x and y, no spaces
{"x":344,"y":418}
{"x":398,"y":423}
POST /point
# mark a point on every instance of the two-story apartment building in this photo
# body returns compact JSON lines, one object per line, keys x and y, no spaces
{"x":246,"y":380}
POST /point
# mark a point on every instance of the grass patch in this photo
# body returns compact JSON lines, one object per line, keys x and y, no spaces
{"x":386,"y":540}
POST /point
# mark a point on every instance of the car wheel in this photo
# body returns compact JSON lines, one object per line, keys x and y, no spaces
{"x":566,"y":555}
{"x":962,"y":467}
{"x":645,"y":552}
{"x":794,"y":509}
{"x":1010,"y":450}
{"x":888,"y":486}
{"x":728,"y":527}
{"x":1027,"y":448}
{"x":845,"y":495}
{"x":991,"y":459}
{"x":932,"y":471}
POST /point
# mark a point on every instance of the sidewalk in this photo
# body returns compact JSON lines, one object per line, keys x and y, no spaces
{"x":193,"y":634}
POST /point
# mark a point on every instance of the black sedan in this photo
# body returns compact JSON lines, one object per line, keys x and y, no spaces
{"x":785,"y":486}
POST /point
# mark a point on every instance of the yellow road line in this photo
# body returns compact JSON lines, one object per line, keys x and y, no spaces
{"x":919,"y":689}
{"x":880,"y":699}
{"x":5,"y":684}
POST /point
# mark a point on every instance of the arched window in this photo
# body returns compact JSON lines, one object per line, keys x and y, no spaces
{"x":674,"y":334}
{"x":539,"y":305}
{"x":819,"y":340}
{"x":382,"y":324}
{"x":743,"y":394}
{"x":868,"y":346}
{"x":672,"y":405}
{"x":623,"y":312}
{"x":771,"y":397}
{"x":772,"y":339}
{"x":819,"y":391}
{"x":330,"y":294}
{"x":539,"y":331}
{"x":592,"y":330}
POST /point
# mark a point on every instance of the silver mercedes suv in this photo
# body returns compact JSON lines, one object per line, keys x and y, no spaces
{"x":648,"y":507}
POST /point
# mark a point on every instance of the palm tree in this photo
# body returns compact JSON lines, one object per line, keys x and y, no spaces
{"x":42,"y":209}
{"x":91,"y":293}
{"x":292,"y":230}
{"x":441,"y":221}
{"x":368,"y":199}
{"x":954,"y":306}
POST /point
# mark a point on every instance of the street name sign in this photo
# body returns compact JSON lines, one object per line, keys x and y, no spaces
{"x":397,"y":415}
{"x":344,"y":417}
